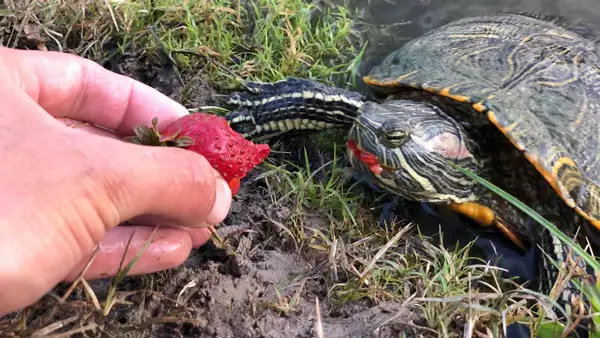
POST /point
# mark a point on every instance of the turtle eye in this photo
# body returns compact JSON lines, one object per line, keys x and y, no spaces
{"x":394,"y":138}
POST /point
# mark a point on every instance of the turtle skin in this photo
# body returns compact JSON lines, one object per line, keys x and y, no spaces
{"x":536,"y":82}
{"x":515,"y":98}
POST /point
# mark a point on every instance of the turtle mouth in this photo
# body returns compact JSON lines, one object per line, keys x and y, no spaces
{"x":370,"y":160}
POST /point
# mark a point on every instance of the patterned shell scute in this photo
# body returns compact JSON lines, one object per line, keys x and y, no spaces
{"x":537,"y":82}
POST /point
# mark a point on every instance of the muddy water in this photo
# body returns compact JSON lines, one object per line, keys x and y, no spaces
{"x":388,"y":24}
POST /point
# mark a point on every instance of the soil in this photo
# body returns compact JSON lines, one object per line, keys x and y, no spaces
{"x":267,"y":288}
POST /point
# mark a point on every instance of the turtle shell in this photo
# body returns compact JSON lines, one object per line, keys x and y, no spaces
{"x":536,"y":81}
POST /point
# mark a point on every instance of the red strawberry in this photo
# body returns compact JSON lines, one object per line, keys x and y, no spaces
{"x":210,"y":136}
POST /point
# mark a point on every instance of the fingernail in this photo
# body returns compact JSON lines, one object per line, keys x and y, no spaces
{"x":222,"y":203}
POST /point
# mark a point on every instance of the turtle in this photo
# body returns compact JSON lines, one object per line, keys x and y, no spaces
{"x":512,"y":97}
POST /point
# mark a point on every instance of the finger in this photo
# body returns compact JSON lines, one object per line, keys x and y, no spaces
{"x":196,"y":196}
{"x":199,"y":234}
{"x":73,"y":87}
{"x":169,"y":248}
{"x":88,"y":128}
{"x":174,"y":185}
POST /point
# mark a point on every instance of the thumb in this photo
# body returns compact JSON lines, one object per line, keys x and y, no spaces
{"x":172,"y":185}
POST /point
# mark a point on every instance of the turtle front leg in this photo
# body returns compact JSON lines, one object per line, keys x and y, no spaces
{"x":485,"y":216}
{"x":272,"y":109}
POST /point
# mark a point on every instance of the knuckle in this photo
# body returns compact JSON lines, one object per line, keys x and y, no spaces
{"x":103,"y":193}
{"x":101,"y":189}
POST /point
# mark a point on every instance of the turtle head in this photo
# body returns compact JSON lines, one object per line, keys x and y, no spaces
{"x":406,"y":147}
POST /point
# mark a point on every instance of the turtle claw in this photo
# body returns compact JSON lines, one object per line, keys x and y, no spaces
{"x":388,"y":213}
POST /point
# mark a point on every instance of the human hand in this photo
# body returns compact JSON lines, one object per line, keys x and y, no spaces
{"x":66,"y":189}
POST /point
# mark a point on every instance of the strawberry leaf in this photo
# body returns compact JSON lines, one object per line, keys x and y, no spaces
{"x":132,"y":139}
{"x":166,"y":138}
{"x":143,"y":135}
{"x":146,"y":134}
{"x":184,"y":141}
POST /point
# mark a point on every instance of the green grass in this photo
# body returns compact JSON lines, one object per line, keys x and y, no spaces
{"x":256,"y":39}
{"x":372,"y":263}
{"x":589,"y":288}
{"x":375,"y":264}
{"x":446,"y":285}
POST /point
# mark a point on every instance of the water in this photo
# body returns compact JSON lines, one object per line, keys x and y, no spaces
{"x":387,"y":24}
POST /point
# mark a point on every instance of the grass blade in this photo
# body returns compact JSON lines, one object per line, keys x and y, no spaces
{"x":537,"y":217}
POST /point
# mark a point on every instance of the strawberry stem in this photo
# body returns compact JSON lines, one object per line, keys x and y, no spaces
{"x":150,"y":136}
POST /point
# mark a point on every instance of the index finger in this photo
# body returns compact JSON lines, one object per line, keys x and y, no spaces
{"x":69,"y":86}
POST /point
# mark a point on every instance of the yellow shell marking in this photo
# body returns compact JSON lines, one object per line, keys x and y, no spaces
{"x":479,"y":107}
{"x":552,"y":178}
{"x":446,"y":92}
{"x":561,"y":162}
{"x":393,"y":83}
{"x":492,"y":117}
